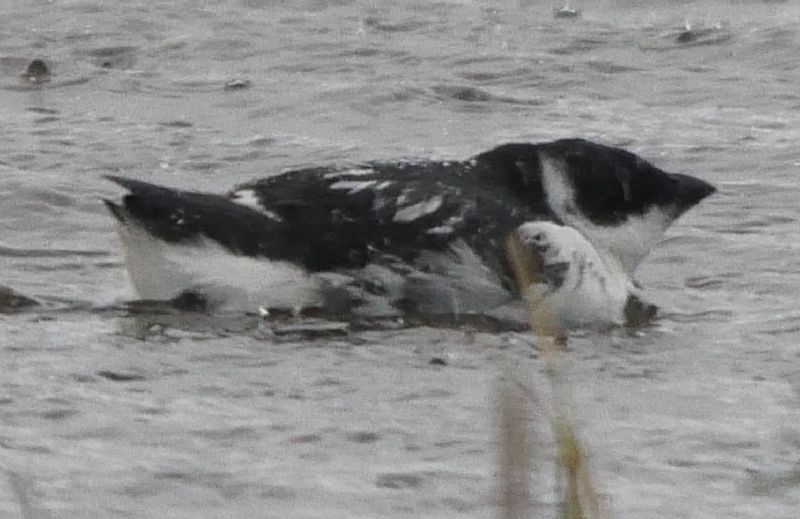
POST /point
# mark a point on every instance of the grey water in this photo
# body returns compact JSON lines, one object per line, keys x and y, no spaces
{"x":110,"y":413}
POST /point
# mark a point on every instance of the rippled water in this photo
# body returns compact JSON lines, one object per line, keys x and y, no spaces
{"x":104,"y":414}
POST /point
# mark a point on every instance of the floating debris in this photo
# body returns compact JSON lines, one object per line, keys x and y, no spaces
{"x":704,"y":35}
{"x":237,"y":84}
{"x":398,"y":480}
{"x":117,"y":376}
{"x":566,"y":12}
{"x":37,"y":72}
{"x":463,"y":93}
{"x":12,"y":301}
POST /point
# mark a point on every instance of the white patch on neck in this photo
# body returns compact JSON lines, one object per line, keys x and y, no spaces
{"x":629,"y":242}
{"x":249,"y":198}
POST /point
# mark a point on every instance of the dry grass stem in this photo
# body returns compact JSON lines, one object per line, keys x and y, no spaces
{"x":579,"y":499}
{"x":21,"y":490}
{"x":515,"y":453}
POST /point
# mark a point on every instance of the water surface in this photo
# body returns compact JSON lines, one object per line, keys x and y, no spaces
{"x":106,"y":414}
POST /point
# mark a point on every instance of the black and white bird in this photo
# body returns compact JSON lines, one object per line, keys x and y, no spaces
{"x":577,"y":284}
{"x":392,"y":238}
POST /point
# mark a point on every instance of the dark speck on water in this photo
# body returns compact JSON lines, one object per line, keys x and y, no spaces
{"x":462,"y":93}
{"x":37,"y":72}
{"x":686,"y":36}
{"x":438,"y":361}
{"x":12,"y":301}
{"x":399,"y":481}
{"x":703,"y":36}
{"x":117,"y":376}
{"x":566,"y":12}
{"x":237,"y":84}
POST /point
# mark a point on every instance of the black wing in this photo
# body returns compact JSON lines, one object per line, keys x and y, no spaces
{"x":177,"y":216}
{"x":349,"y":217}
{"x":321,"y":218}
{"x":334,"y":218}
